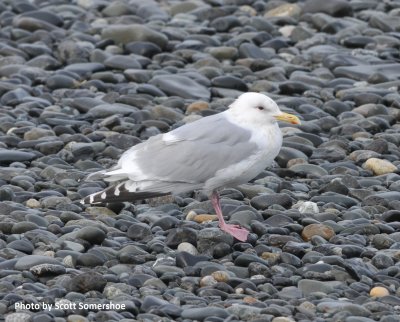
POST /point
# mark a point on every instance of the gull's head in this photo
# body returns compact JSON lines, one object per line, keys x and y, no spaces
{"x":260,"y":109}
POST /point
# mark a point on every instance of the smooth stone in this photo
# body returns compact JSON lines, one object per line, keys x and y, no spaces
{"x":52,"y":202}
{"x":197,"y":107}
{"x":166,"y":269}
{"x":122,"y":141}
{"x":18,"y":317}
{"x":14,"y":97}
{"x":151,"y":90}
{"x":116,"y":8}
{"x":183,"y":7}
{"x":286,"y":154}
{"x":184,"y":259}
{"x":105,"y":110}
{"x":306,"y":207}
{"x":41,"y":318}
{"x":331,"y":154}
{"x":379,"y":146}
{"x":367,"y":229}
{"x":224,"y":24}
{"x":134,"y":32}
{"x":278,"y":220}
{"x":69,"y":245}
{"x":306,"y":149}
{"x":166,"y":223}
{"x":26,"y":262}
{"x":379,"y":291}
{"x":23,"y":227}
{"x":201,"y":313}
{"x":335,"y":107}
{"x":309,"y":169}
{"x":93,"y":235}
{"x":38,"y":220}
{"x":308,"y":286}
{"x":339,"y":306}
{"x":335,"y":186}
{"x":244,"y":312}
{"x":152,"y":302}
{"x":84,"y":68}
{"x":46,"y":16}
{"x":89,"y":260}
{"x":22,"y":246}
{"x":15,"y":156}
{"x":384,"y":22}
{"x":382,"y":261}
{"x":336,"y":8}
{"x":379,"y":166}
{"x":321,"y":230}
{"x":179,"y":235}
{"x":294,"y":87}
{"x":60,"y":81}
{"x":222,"y":52}
{"x":382,"y":241}
{"x":370,"y":109}
{"x":32,"y":24}
{"x":139,"y":231}
{"x":180,"y":86}
{"x":122,"y":62}
{"x":341,"y":200}
{"x":284,"y":10}
{"x":165,"y":112}
{"x":229,"y":82}
{"x":265,"y":201}
{"x":248,"y":50}
{"x":364,"y":71}
{"x":244,"y":218}
{"x":381,"y":198}
{"x":143,"y":48}
{"x":77,"y":318}
{"x":246,"y":259}
{"x":137,"y":75}
{"x":208,"y":238}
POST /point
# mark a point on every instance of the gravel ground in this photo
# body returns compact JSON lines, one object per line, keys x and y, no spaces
{"x":83,"y":80}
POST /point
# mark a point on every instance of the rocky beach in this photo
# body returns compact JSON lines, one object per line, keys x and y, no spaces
{"x":81,"y":81}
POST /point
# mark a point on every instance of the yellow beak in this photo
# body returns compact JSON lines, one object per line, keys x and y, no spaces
{"x":286,"y":117}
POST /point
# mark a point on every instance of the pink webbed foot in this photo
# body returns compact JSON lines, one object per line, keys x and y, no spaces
{"x":236,"y":231}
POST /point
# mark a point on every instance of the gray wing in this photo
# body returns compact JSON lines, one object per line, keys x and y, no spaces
{"x":184,"y":158}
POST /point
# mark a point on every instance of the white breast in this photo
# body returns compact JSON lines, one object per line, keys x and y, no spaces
{"x":269,"y":141}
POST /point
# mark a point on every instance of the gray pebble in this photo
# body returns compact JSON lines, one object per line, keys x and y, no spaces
{"x":201,"y":314}
{"x":27,"y":262}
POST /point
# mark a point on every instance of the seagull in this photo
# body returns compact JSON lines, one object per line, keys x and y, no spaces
{"x":215,"y":152}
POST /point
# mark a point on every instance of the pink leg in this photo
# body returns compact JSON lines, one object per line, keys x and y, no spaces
{"x":234,"y":230}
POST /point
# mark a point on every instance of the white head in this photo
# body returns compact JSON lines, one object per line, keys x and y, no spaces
{"x":259,"y":109}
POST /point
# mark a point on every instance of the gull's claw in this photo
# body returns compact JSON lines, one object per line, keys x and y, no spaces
{"x":236,"y":231}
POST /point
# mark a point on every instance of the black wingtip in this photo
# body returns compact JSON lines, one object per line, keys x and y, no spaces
{"x":118,"y":193}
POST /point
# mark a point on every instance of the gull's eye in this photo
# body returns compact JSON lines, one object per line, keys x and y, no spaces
{"x":261,"y":108}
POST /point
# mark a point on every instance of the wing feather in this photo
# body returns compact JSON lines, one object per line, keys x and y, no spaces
{"x":185,"y":157}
